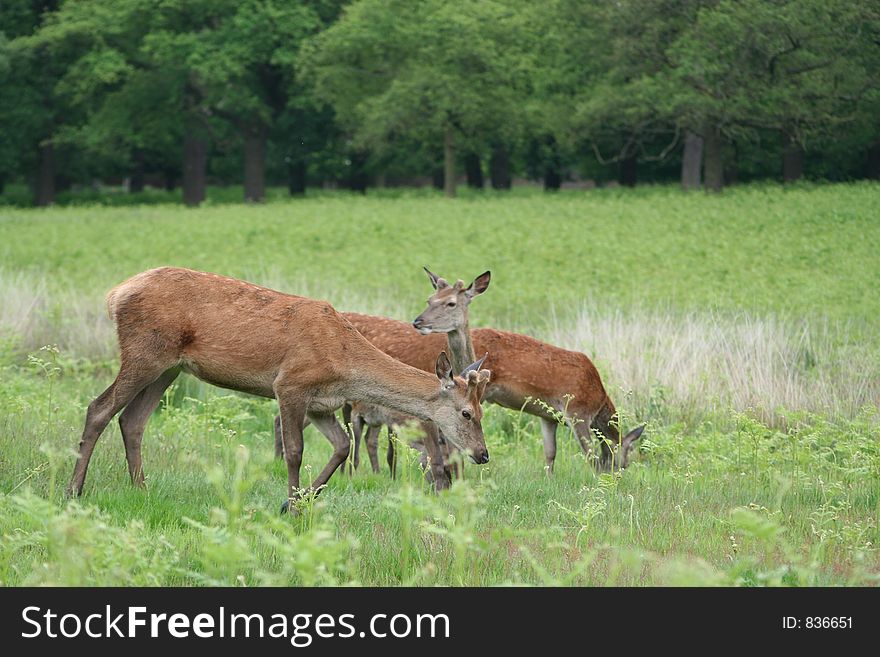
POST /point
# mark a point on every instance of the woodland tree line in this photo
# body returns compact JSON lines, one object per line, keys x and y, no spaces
{"x":389,"y":92}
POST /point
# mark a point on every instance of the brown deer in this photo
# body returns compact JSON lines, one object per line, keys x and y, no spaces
{"x":525,"y":371}
{"x":252,"y":339}
{"x":432,"y":447}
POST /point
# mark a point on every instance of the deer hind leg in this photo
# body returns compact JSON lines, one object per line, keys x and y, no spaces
{"x":129,"y":382}
{"x":391,"y":455}
{"x":329,"y":426}
{"x":548,"y":428}
{"x":134,"y":419}
{"x":372,"y":441}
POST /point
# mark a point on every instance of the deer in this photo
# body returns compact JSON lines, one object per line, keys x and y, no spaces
{"x":433,"y":449}
{"x":299,"y":351}
{"x":529,"y":375}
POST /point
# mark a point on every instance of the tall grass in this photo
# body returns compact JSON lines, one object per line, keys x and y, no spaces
{"x":672,"y":364}
{"x":685,"y":364}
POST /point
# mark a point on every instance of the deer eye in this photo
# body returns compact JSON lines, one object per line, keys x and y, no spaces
{"x":451,"y":304}
{"x":466,"y":415}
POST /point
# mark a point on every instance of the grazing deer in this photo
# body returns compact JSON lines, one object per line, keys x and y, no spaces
{"x":252,"y":339}
{"x":525,"y":371}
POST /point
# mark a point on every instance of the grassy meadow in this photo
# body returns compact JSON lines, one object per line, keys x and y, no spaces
{"x":741,"y":327}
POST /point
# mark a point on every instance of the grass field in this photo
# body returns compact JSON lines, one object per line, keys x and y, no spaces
{"x":741,"y":327}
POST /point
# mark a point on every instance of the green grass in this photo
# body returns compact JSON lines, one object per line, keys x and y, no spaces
{"x":801,"y":251}
{"x":720,"y":494}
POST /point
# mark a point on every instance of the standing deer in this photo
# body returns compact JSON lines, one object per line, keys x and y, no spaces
{"x":252,"y":339}
{"x":525,"y":370}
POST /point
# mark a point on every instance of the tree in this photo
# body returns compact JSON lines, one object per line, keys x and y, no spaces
{"x":29,"y":110}
{"x":798,"y":68}
{"x":432,"y":70}
{"x":601,"y":81}
{"x":131,"y":100}
{"x":149,"y":72}
{"x":243,"y":67}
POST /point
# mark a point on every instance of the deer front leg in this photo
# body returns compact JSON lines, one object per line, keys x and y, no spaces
{"x":339,"y":438}
{"x":292,"y":417}
{"x":279,"y":444}
{"x":582,"y":431}
{"x":548,"y":428}
{"x":435,"y":457}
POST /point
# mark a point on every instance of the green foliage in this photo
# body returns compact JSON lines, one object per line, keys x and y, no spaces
{"x":416,"y":69}
{"x":715,"y":498}
{"x":731,"y":502}
{"x":797,"y":67}
{"x":344,"y":90}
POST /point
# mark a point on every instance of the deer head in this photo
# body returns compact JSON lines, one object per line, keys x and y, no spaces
{"x":616,"y":456}
{"x":460,"y":413}
{"x":447,"y":309}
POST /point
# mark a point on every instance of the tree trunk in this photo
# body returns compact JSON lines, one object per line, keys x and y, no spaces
{"x":44,"y":193}
{"x":195,"y":160}
{"x":552,"y":178}
{"x":137,"y":173}
{"x":731,"y":166}
{"x":255,"y":164}
{"x":713,"y":163}
{"x":499,"y":167}
{"x":449,"y":163}
{"x":357,"y":179}
{"x":170,"y":176}
{"x":873,"y":165}
{"x":792,"y":160}
{"x":473,"y":170}
{"x":691,"y":160}
{"x":296,"y":177}
{"x":628,"y":171}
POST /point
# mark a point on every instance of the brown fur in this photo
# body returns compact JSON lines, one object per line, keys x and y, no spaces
{"x":244,"y":337}
{"x":522,"y":367}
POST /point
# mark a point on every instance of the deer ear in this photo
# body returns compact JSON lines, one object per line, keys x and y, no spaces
{"x":474,"y":367}
{"x":436,"y":281}
{"x":443,"y":369}
{"x":479,"y":285}
{"x":632,"y":437}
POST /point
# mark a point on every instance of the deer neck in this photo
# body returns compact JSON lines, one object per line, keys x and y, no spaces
{"x":461,"y":348}
{"x":386,"y":382}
